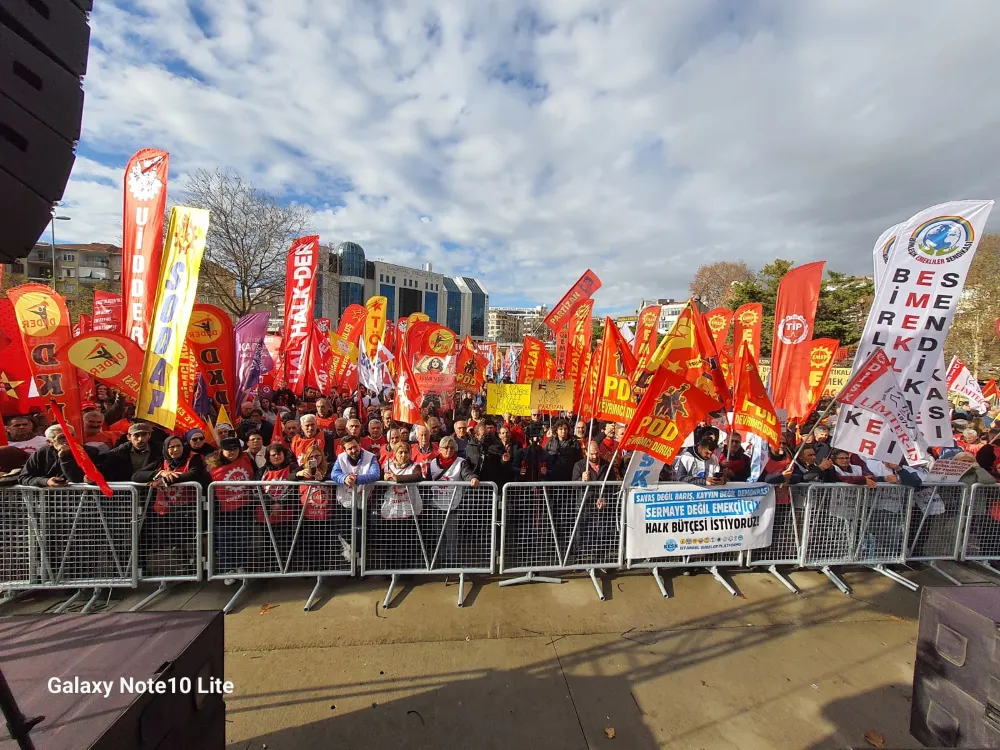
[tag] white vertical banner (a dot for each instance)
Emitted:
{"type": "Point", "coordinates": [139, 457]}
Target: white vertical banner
{"type": "Point", "coordinates": [960, 381]}
{"type": "Point", "coordinates": [882, 251]}
{"type": "Point", "coordinates": [910, 318]}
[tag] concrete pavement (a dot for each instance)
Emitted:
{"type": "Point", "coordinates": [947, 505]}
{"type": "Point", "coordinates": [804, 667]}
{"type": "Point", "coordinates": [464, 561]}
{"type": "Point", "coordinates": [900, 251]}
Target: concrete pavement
{"type": "Point", "coordinates": [551, 666]}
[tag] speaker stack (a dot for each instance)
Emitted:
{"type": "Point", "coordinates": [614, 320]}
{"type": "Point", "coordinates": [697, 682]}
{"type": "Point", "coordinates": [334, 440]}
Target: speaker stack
{"type": "Point", "coordinates": [43, 58]}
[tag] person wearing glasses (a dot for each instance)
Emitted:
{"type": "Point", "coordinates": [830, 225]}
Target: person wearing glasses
{"type": "Point", "coordinates": [197, 443]}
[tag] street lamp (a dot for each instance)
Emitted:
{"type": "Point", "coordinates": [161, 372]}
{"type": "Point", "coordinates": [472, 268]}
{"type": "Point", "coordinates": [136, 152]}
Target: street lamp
{"type": "Point", "coordinates": [52, 226]}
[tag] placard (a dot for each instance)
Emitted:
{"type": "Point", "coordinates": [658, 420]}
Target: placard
{"type": "Point", "coordinates": [503, 398]}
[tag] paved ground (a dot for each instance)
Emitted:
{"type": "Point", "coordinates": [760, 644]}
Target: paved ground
{"type": "Point", "coordinates": [551, 666]}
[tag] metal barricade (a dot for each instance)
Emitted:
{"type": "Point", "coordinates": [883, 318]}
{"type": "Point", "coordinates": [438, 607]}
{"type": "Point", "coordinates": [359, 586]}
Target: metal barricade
{"type": "Point", "coordinates": [170, 533]}
{"type": "Point", "coordinates": [786, 534]}
{"type": "Point", "coordinates": [848, 524]}
{"type": "Point", "coordinates": [428, 528]}
{"type": "Point", "coordinates": [280, 530]}
{"type": "Point", "coordinates": [981, 540]}
{"type": "Point", "coordinates": [20, 567]}
{"type": "Point", "coordinates": [561, 526]}
{"type": "Point", "coordinates": [936, 529]}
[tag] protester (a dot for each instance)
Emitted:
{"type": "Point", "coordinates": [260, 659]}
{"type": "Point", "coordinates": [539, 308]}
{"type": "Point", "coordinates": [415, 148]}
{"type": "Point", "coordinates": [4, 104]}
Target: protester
{"type": "Point", "coordinates": [423, 449]}
{"type": "Point", "coordinates": [136, 460]}
{"type": "Point", "coordinates": [448, 465]}
{"type": "Point", "coordinates": [255, 423]}
{"type": "Point", "coordinates": [53, 465]}
{"type": "Point", "coordinates": [94, 433]}
{"type": "Point", "coordinates": [485, 454]}
{"type": "Point", "coordinates": [593, 468]}
{"type": "Point", "coordinates": [563, 453]}
{"type": "Point", "coordinates": [255, 449]}
{"type": "Point", "coordinates": [21, 434]}
{"type": "Point", "coordinates": [735, 460]}
{"type": "Point", "coordinates": [698, 464]}
{"type": "Point", "coordinates": [461, 436]}
{"type": "Point", "coordinates": [196, 441]}
{"type": "Point", "coordinates": [235, 529]}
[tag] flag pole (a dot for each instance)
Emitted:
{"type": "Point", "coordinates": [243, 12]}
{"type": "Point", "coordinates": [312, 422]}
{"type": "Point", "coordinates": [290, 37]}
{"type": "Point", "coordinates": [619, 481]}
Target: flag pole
{"type": "Point", "coordinates": [819, 419]}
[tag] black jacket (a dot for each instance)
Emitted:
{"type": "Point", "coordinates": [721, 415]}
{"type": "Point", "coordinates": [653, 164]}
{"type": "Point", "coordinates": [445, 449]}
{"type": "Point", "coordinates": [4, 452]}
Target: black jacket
{"type": "Point", "coordinates": [531, 459]}
{"type": "Point", "coordinates": [562, 457]}
{"type": "Point", "coordinates": [486, 460]}
{"type": "Point", "coordinates": [47, 463]}
{"type": "Point", "coordinates": [116, 464]}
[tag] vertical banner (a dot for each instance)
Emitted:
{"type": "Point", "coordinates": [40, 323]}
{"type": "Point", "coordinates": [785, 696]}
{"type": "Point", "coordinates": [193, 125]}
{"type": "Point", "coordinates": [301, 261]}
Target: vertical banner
{"type": "Point", "coordinates": [822, 354]}
{"type": "Point", "coordinates": [718, 321]}
{"type": "Point", "coordinates": [210, 335]}
{"type": "Point", "coordinates": [882, 251]}
{"type": "Point", "coordinates": [248, 336]}
{"type": "Point", "coordinates": [615, 402]}
{"type": "Point", "coordinates": [577, 356]}
{"type": "Point", "coordinates": [531, 361]}
{"type": "Point", "coordinates": [142, 239]}
{"type": "Point", "coordinates": [187, 374]}
{"type": "Point", "coordinates": [430, 349]}
{"type": "Point", "coordinates": [44, 326]}
{"type": "Point", "coordinates": [747, 323]}
{"type": "Point", "coordinates": [185, 246]}
{"type": "Point", "coordinates": [320, 357]}
{"type": "Point", "coordinates": [300, 296]}
{"type": "Point", "coordinates": [15, 375]}
{"type": "Point", "coordinates": [563, 335]}
{"type": "Point", "coordinates": [84, 325]}
{"type": "Point", "coordinates": [911, 315]}
{"type": "Point", "coordinates": [646, 329]}
{"type": "Point", "coordinates": [107, 311]}
{"type": "Point", "coordinates": [374, 324]}
{"type": "Point", "coordinates": [794, 317]}
{"type": "Point", "coordinates": [352, 322]}
{"type": "Point", "coordinates": [579, 293]}
{"type": "Point", "coordinates": [961, 381]}
{"type": "Point", "coordinates": [470, 371]}
{"type": "Point", "coordinates": [343, 362]}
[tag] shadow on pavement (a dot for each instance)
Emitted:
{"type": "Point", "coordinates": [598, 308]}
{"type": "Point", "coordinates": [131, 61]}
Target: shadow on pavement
{"type": "Point", "coordinates": [882, 714]}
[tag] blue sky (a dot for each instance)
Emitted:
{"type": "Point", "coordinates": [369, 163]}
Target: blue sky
{"type": "Point", "coordinates": [522, 142]}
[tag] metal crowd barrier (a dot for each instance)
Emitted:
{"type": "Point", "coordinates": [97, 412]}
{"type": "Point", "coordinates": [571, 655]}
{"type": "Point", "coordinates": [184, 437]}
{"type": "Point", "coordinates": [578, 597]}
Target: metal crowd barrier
{"type": "Point", "coordinates": [280, 530]}
{"type": "Point", "coordinates": [937, 525]}
{"type": "Point", "coordinates": [428, 528]}
{"type": "Point", "coordinates": [69, 537]}
{"type": "Point", "coordinates": [981, 535]}
{"type": "Point", "coordinates": [787, 534]}
{"type": "Point", "coordinates": [561, 526]}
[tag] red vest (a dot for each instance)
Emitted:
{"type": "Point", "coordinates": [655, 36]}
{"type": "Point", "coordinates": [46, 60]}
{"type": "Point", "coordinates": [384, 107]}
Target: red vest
{"type": "Point", "coordinates": [277, 512]}
{"type": "Point", "coordinates": [240, 470]}
{"type": "Point", "coordinates": [173, 495]}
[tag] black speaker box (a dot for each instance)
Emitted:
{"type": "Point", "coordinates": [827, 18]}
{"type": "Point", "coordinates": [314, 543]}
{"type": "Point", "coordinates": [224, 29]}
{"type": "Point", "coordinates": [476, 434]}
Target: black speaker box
{"type": "Point", "coordinates": [39, 653]}
{"type": "Point", "coordinates": [43, 57]}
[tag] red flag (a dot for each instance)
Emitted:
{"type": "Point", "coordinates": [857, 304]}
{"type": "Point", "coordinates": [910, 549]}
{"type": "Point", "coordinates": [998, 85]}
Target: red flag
{"type": "Point", "coordinates": [710, 357]}
{"type": "Point", "coordinates": [321, 359]}
{"type": "Point", "coordinates": [430, 351]}
{"type": "Point", "coordinates": [470, 371]}
{"type": "Point", "coordinates": [563, 336]}
{"type": "Point", "coordinates": [747, 324]}
{"type": "Point", "coordinates": [794, 317]}
{"type": "Point", "coordinates": [548, 368]}
{"type": "Point", "coordinates": [579, 293]}
{"type": "Point", "coordinates": [15, 375]}
{"type": "Point", "coordinates": [142, 239]}
{"type": "Point", "coordinates": [82, 459]}
{"type": "Point", "coordinates": [532, 363]}
{"type": "Point", "coordinates": [211, 338]}
{"type": "Point", "coordinates": [300, 295]}
{"type": "Point", "coordinates": [352, 323]}
{"type": "Point", "coordinates": [406, 405]}
{"type": "Point", "coordinates": [107, 311]}
{"type": "Point", "coordinates": [578, 352]}
{"type": "Point", "coordinates": [667, 414]}
{"type": "Point", "coordinates": [753, 411]}
{"type": "Point", "coordinates": [822, 355]}
{"type": "Point", "coordinates": [990, 390]}
{"type": "Point", "coordinates": [718, 325]}
{"type": "Point", "coordinates": [44, 326]}
{"type": "Point", "coordinates": [617, 367]}
{"type": "Point", "coordinates": [587, 394]}
{"type": "Point", "coordinates": [646, 329]}
{"type": "Point", "coordinates": [84, 325]}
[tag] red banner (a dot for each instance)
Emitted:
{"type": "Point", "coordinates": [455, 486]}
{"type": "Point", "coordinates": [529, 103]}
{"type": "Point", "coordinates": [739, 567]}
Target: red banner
{"type": "Point", "coordinates": [587, 394]}
{"type": "Point", "coordinates": [718, 321]}
{"type": "Point", "coordinates": [579, 293]}
{"type": "Point", "coordinates": [15, 375]}
{"type": "Point", "coordinates": [352, 323]}
{"type": "Point", "coordinates": [794, 316]}
{"type": "Point", "coordinates": [747, 324]}
{"type": "Point", "coordinates": [84, 325]}
{"type": "Point", "coordinates": [321, 358]}
{"type": "Point", "coordinates": [532, 363]}
{"type": "Point", "coordinates": [142, 239]}
{"type": "Point", "coordinates": [753, 411]}
{"type": "Point", "coordinates": [44, 326]}
{"type": "Point", "coordinates": [822, 355]}
{"type": "Point", "coordinates": [430, 351]}
{"type": "Point", "coordinates": [300, 295]}
{"type": "Point", "coordinates": [563, 335]}
{"type": "Point", "coordinates": [710, 357]}
{"type": "Point", "coordinates": [470, 372]}
{"type": "Point", "coordinates": [647, 328]}
{"type": "Point", "coordinates": [406, 404]}
{"type": "Point", "coordinates": [107, 311]}
{"type": "Point", "coordinates": [577, 356]}
{"type": "Point", "coordinates": [210, 335]}
{"type": "Point", "coordinates": [187, 373]}
{"type": "Point", "coordinates": [617, 367]}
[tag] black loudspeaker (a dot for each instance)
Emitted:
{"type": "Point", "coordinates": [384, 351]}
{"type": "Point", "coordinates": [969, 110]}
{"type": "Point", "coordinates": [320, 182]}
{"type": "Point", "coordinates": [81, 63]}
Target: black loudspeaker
{"type": "Point", "coordinates": [43, 58]}
{"type": "Point", "coordinates": [42, 655]}
{"type": "Point", "coordinates": [956, 676]}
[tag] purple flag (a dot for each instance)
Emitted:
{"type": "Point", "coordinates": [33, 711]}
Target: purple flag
{"type": "Point", "coordinates": [252, 358]}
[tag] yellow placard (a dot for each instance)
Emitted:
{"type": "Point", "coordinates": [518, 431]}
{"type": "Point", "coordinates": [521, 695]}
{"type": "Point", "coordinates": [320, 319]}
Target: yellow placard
{"type": "Point", "coordinates": [182, 254]}
{"type": "Point", "coordinates": [502, 398]}
{"type": "Point", "coordinates": [839, 376]}
{"type": "Point", "coordinates": [552, 396]}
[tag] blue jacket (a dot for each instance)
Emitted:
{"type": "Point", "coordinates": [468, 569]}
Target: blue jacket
{"type": "Point", "coordinates": [373, 474]}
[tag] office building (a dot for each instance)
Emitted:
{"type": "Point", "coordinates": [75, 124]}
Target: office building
{"type": "Point", "coordinates": [670, 310]}
{"type": "Point", "coordinates": [503, 327]}
{"type": "Point", "coordinates": [74, 266]}
{"type": "Point", "coordinates": [531, 320]}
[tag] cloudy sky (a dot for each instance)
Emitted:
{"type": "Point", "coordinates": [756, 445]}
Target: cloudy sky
{"type": "Point", "coordinates": [522, 142]}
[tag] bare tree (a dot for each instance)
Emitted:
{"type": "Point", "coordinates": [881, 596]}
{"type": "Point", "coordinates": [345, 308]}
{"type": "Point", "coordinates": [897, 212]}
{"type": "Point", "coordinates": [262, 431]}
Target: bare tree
{"type": "Point", "coordinates": [973, 334]}
{"type": "Point", "coordinates": [714, 281]}
{"type": "Point", "coordinates": [248, 239]}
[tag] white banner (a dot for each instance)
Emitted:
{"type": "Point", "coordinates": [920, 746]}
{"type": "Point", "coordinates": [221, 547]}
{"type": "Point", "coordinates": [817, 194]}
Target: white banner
{"type": "Point", "coordinates": [672, 520]}
{"type": "Point", "coordinates": [874, 389]}
{"type": "Point", "coordinates": [911, 315]}
{"type": "Point", "coordinates": [960, 381]}
{"type": "Point", "coordinates": [883, 251]}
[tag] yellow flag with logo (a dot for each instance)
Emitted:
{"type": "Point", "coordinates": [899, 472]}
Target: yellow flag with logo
{"type": "Point", "coordinates": [374, 324]}
{"type": "Point", "coordinates": [178, 284]}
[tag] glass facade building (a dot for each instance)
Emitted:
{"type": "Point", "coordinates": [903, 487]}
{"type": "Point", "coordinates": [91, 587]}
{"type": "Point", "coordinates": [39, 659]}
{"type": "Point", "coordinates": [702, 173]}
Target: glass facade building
{"type": "Point", "coordinates": [431, 306]}
{"type": "Point", "coordinates": [389, 292]}
{"type": "Point", "coordinates": [478, 329]}
{"type": "Point", "coordinates": [453, 304]}
{"type": "Point", "coordinates": [351, 264]}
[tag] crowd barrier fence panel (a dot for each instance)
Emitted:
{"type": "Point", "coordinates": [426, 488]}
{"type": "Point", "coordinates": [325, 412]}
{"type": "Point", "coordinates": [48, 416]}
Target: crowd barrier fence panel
{"type": "Point", "coordinates": [20, 545]}
{"type": "Point", "coordinates": [280, 530]}
{"type": "Point", "coordinates": [428, 528]}
{"type": "Point", "coordinates": [561, 526]}
{"type": "Point", "coordinates": [937, 524]}
{"type": "Point", "coordinates": [786, 536]}
{"type": "Point", "coordinates": [981, 536]}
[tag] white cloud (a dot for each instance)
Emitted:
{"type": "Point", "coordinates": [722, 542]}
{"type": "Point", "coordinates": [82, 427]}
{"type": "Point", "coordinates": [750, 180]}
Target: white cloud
{"type": "Point", "coordinates": [639, 139]}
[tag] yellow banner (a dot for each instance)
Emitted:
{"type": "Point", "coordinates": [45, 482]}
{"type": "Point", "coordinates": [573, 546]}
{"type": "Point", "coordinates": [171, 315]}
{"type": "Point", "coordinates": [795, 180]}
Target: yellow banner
{"type": "Point", "coordinates": [374, 324]}
{"type": "Point", "coordinates": [502, 398]}
{"type": "Point", "coordinates": [178, 284]}
{"type": "Point", "coordinates": [551, 396]}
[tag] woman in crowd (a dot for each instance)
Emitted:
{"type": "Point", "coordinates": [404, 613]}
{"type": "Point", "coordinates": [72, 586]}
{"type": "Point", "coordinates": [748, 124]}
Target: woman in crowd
{"type": "Point", "coordinates": [234, 519]}
{"type": "Point", "coordinates": [197, 443]}
{"type": "Point", "coordinates": [281, 503]}
{"type": "Point", "coordinates": [562, 453]}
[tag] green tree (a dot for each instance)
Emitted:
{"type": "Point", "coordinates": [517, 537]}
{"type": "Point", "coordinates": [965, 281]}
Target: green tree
{"type": "Point", "coordinates": [973, 334]}
{"type": "Point", "coordinates": [843, 306]}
